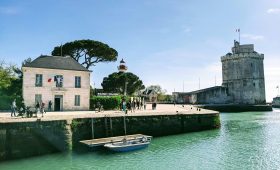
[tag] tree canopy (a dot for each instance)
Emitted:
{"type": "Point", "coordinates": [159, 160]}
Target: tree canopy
{"type": "Point", "coordinates": [115, 83]}
{"type": "Point", "coordinates": [161, 93]}
{"type": "Point", "coordinates": [6, 76]}
{"type": "Point", "coordinates": [157, 89]}
{"type": "Point", "coordinates": [87, 52]}
{"type": "Point", "coordinates": [10, 85]}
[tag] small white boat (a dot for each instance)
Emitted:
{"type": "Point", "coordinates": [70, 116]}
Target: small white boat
{"type": "Point", "coordinates": [131, 145]}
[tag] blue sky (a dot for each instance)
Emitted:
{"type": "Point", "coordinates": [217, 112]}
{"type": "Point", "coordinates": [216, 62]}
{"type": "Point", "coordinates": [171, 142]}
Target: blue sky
{"type": "Point", "coordinates": [166, 42]}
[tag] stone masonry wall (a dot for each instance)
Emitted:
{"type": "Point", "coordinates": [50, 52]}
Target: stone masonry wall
{"type": "Point", "coordinates": [49, 89]}
{"type": "Point", "coordinates": [243, 75]}
{"type": "Point", "coordinates": [25, 139]}
{"type": "Point", "coordinates": [218, 95]}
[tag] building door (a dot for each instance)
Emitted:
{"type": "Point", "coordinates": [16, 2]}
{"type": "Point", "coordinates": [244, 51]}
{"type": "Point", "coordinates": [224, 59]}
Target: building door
{"type": "Point", "coordinates": [58, 103]}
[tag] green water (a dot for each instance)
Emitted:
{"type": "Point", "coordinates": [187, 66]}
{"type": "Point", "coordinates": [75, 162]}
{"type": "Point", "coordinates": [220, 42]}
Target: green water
{"type": "Point", "coordinates": [245, 141]}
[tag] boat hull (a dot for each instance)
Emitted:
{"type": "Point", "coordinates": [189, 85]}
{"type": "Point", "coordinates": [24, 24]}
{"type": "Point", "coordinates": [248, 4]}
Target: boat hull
{"type": "Point", "coordinates": [128, 148]}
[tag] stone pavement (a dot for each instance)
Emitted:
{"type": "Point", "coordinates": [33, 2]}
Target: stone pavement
{"type": "Point", "coordinates": [162, 109]}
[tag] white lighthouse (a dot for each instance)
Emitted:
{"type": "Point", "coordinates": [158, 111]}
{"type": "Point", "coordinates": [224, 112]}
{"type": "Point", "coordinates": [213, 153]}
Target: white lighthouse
{"type": "Point", "coordinates": [122, 67]}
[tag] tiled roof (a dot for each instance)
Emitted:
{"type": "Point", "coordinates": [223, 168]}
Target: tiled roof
{"type": "Point", "coordinates": [56, 62]}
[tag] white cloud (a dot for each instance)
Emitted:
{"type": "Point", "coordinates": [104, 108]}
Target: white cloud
{"type": "Point", "coordinates": [9, 10]}
{"type": "Point", "coordinates": [273, 11]}
{"type": "Point", "coordinates": [252, 37]}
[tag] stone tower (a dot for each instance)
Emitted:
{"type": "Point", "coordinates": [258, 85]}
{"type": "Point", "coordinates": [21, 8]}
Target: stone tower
{"type": "Point", "coordinates": [243, 74]}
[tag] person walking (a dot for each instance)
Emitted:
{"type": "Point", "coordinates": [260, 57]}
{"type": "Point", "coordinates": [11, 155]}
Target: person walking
{"type": "Point", "coordinates": [42, 108]}
{"type": "Point", "coordinates": [154, 105]}
{"type": "Point", "coordinates": [134, 105]}
{"type": "Point", "coordinates": [121, 105]}
{"type": "Point", "coordinates": [145, 104]}
{"type": "Point", "coordinates": [37, 108]}
{"type": "Point", "coordinates": [50, 106]}
{"type": "Point", "coordinates": [98, 105]}
{"type": "Point", "coordinates": [13, 108]}
{"type": "Point", "coordinates": [124, 105]}
{"type": "Point", "coordinates": [138, 104]}
{"type": "Point", "coordinates": [129, 106]}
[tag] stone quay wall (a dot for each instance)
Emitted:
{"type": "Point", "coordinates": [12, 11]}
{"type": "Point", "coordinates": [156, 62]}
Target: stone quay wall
{"type": "Point", "coordinates": [236, 107]}
{"type": "Point", "coordinates": [25, 139]}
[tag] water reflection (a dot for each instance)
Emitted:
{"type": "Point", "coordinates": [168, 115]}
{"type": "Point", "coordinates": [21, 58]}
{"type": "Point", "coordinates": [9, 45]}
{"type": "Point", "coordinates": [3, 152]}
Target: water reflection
{"type": "Point", "coordinates": [245, 141]}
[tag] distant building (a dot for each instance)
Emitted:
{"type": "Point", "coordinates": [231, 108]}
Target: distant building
{"type": "Point", "coordinates": [212, 95]}
{"type": "Point", "coordinates": [276, 102]}
{"type": "Point", "coordinates": [61, 80]}
{"type": "Point", "coordinates": [243, 80]}
{"type": "Point", "coordinates": [150, 95]}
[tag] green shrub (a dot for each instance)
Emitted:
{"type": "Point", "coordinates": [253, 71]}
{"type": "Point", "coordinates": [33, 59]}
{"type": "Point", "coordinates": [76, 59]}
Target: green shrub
{"type": "Point", "coordinates": [108, 103]}
{"type": "Point", "coordinates": [6, 102]}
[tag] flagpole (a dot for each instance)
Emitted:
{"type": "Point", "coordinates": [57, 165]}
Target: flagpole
{"type": "Point", "coordinates": [239, 35]}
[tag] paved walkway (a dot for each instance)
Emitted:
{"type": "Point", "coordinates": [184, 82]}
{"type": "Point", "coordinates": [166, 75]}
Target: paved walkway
{"type": "Point", "coordinates": [162, 109]}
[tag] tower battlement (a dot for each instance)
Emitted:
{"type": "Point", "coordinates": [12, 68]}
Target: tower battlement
{"type": "Point", "coordinates": [231, 56]}
{"type": "Point", "coordinates": [243, 74]}
{"type": "Point", "coordinates": [245, 48]}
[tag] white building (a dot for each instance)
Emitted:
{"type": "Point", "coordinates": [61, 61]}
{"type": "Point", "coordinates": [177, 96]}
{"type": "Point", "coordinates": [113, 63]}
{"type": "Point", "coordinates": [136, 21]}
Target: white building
{"type": "Point", "coordinates": [61, 80]}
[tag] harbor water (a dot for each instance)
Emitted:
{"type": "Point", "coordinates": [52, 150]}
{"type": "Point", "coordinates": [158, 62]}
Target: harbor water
{"type": "Point", "coordinates": [249, 140]}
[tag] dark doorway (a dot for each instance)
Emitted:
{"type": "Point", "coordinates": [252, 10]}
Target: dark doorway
{"type": "Point", "coordinates": [58, 102]}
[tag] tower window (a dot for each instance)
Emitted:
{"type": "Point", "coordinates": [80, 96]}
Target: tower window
{"type": "Point", "coordinates": [254, 84]}
{"type": "Point", "coordinates": [251, 64]}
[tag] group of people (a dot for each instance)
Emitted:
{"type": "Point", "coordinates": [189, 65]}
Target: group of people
{"type": "Point", "coordinates": [133, 104]}
{"type": "Point", "coordinates": [39, 108]}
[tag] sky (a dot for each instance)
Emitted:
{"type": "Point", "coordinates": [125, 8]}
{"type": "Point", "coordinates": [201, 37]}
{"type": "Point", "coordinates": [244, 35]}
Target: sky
{"type": "Point", "coordinates": [172, 43]}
